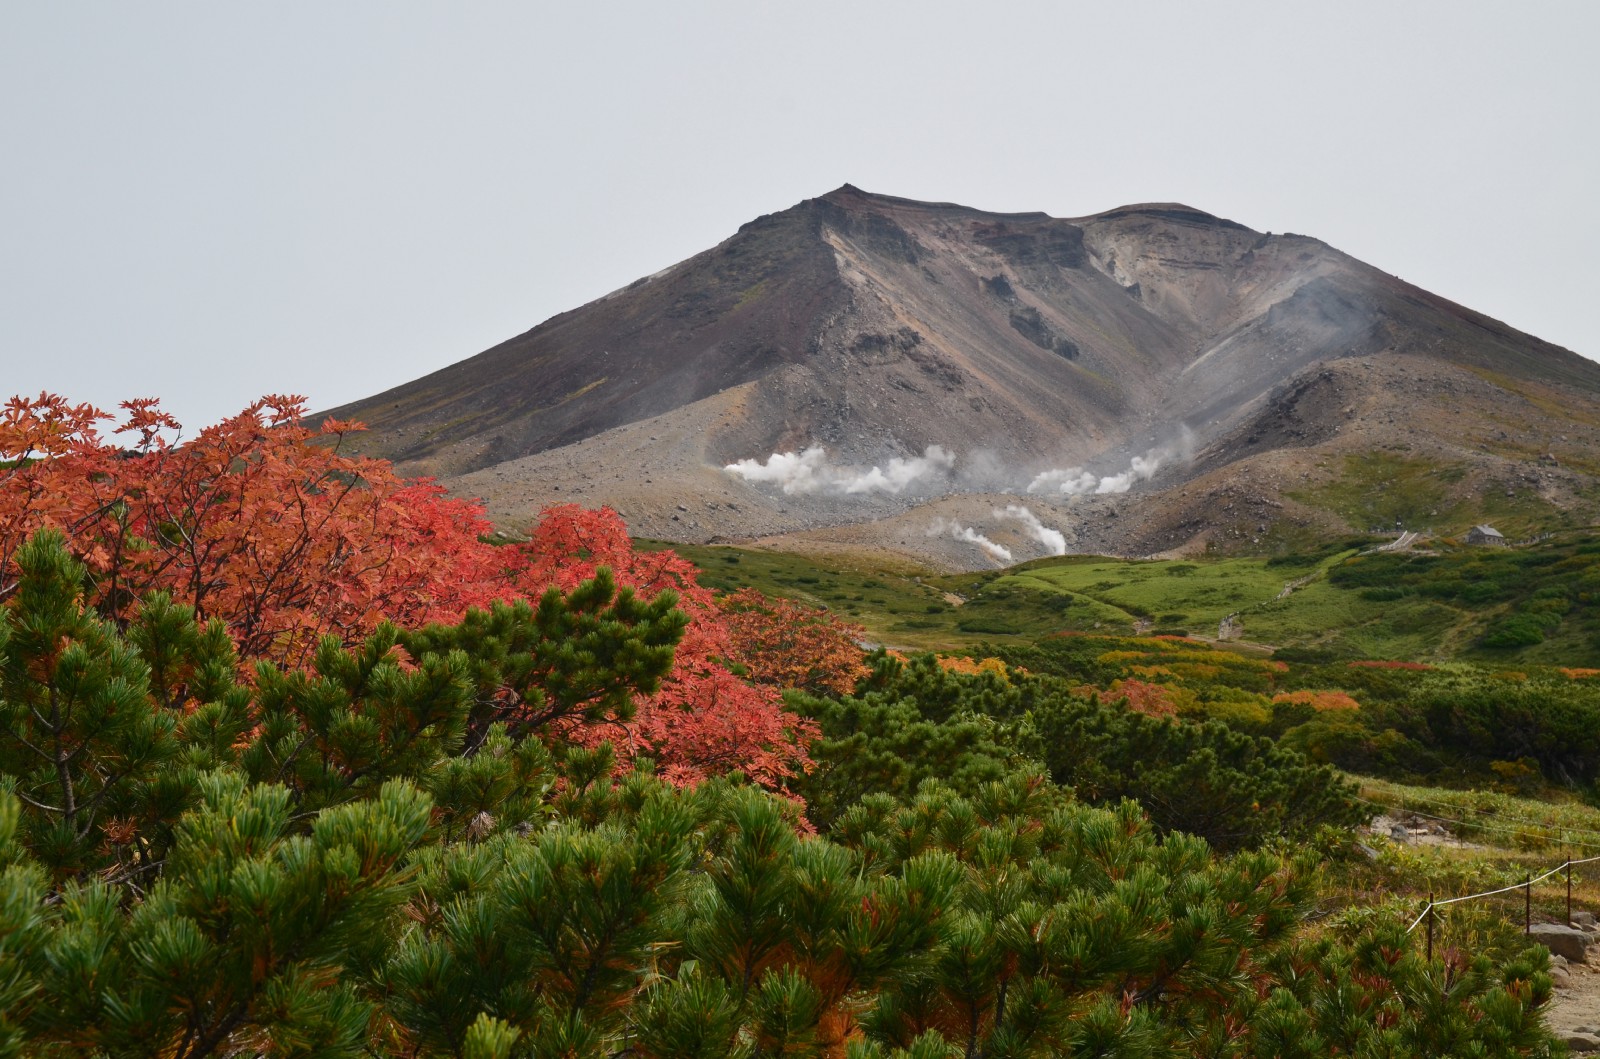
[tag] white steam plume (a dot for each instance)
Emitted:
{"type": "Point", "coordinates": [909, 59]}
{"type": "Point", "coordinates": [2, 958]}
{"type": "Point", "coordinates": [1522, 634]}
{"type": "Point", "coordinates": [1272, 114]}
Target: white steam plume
{"type": "Point", "coordinates": [902, 472]}
{"type": "Point", "coordinates": [1141, 469]}
{"type": "Point", "coordinates": [1075, 481]}
{"type": "Point", "coordinates": [1053, 539]}
{"type": "Point", "coordinates": [999, 553]}
{"type": "Point", "coordinates": [797, 472]}
{"type": "Point", "coordinates": [809, 471]}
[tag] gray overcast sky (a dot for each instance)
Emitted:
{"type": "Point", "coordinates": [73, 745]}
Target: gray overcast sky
{"type": "Point", "coordinates": [210, 201]}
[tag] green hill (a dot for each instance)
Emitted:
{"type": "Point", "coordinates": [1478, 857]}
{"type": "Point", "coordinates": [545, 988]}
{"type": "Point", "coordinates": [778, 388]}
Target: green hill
{"type": "Point", "coordinates": [1523, 605]}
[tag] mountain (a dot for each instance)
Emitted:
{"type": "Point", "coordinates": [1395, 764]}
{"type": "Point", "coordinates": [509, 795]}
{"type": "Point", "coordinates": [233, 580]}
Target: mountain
{"type": "Point", "coordinates": [1164, 379]}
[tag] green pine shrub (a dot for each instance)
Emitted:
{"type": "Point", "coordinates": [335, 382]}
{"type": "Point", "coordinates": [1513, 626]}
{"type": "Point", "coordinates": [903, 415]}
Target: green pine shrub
{"type": "Point", "coordinates": [394, 853]}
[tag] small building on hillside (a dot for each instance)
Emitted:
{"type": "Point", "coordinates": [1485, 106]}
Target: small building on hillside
{"type": "Point", "coordinates": [1486, 535]}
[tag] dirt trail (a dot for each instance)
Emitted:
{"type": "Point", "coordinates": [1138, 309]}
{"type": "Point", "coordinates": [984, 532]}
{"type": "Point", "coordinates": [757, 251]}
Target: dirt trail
{"type": "Point", "coordinates": [1290, 587]}
{"type": "Point", "coordinates": [1574, 1015]}
{"type": "Point", "coordinates": [1400, 544]}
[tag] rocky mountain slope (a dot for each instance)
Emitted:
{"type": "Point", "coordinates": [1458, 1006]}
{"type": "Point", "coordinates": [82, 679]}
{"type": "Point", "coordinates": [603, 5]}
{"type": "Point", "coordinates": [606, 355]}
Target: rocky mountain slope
{"type": "Point", "coordinates": [861, 371]}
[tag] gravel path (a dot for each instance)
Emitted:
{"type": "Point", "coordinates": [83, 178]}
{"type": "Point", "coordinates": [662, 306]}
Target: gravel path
{"type": "Point", "coordinates": [1574, 1015]}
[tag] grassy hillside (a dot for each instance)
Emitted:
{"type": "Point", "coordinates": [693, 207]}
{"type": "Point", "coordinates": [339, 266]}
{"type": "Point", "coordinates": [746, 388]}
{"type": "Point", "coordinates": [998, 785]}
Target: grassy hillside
{"type": "Point", "coordinates": [897, 605]}
{"type": "Point", "coordinates": [1526, 606]}
{"type": "Point", "coordinates": [1376, 489]}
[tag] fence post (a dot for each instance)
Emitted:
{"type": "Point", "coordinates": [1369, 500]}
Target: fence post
{"type": "Point", "coordinates": [1527, 904]}
{"type": "Point", "coordinates": [1569, 891]}
{"type": "Point", "coordinates": [1430, 924]}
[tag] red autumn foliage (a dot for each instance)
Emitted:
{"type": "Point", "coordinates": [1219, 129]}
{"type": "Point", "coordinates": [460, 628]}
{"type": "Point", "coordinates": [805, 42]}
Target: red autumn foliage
{"type": "Point", "coordinates": [704, 721]}
{"type": "Point", "coordinates": [268, 525]}
{"type": "Point", "coordinates": [258, 521]}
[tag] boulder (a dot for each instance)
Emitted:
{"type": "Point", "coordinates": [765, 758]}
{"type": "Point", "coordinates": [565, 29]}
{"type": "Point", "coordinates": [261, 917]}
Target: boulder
{"type": "Point", "coordinates": [1578, 1041]}
{"type": "Point", "coordinates": [1585, 920]}
{"type": "Point", "coordinates": [1562, 940]}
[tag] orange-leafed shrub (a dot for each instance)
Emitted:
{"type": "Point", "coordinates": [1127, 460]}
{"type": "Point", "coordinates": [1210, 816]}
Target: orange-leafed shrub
{"type": "Point", "coordinates": [973, 666]}
{"type": "Point", "coordinates": [1319, 700]}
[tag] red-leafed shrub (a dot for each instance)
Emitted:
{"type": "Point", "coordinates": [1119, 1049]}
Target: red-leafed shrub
{"type": "Point", "coordinates": [273, 528]}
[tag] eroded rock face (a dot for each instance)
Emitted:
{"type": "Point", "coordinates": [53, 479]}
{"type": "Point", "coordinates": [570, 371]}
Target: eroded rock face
{"type": "Point", "coordinates": [1565, 941]}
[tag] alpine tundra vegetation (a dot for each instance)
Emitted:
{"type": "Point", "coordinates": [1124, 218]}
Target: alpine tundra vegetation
{"type": "Point", "coordinates": [300, 759]}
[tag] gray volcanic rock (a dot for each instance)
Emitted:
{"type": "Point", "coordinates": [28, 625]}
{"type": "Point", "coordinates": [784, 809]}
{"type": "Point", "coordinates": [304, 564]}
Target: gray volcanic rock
{"type": "Point", "coordinates": [1562, 940]}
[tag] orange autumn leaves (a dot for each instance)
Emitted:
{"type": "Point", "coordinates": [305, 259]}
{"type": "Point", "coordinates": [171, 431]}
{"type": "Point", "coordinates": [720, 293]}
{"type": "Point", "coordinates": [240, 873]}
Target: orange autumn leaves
{"type": "Point", "coordinates": [1166, 676]}
{"type": "Point", "coordinates": [280, 532]}
{"type": "Point", "coordinates": [973, 666]}
{"type": "Point", "coordinates": [1318, 700]}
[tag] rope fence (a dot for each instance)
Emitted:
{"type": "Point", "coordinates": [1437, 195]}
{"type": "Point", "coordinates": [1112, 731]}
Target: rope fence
{"type": "Point", "coordinates": [1526, 886]}
{"type": "Point", "coordinates": [1428, 914]}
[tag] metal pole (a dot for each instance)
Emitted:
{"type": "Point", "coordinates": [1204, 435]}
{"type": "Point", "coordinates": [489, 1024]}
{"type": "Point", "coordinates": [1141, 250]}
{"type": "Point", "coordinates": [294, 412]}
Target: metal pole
{"type": "Point", "coordinates": [1569, 891]}
{"type": "Point", "coordinates": [1527, 904]}
{"type": "Point", "coordinates": [1430, 924]}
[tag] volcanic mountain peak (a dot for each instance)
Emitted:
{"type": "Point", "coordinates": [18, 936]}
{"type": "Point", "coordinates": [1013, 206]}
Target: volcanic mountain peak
{"type": "Point", "coordinates": [858, 331]}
